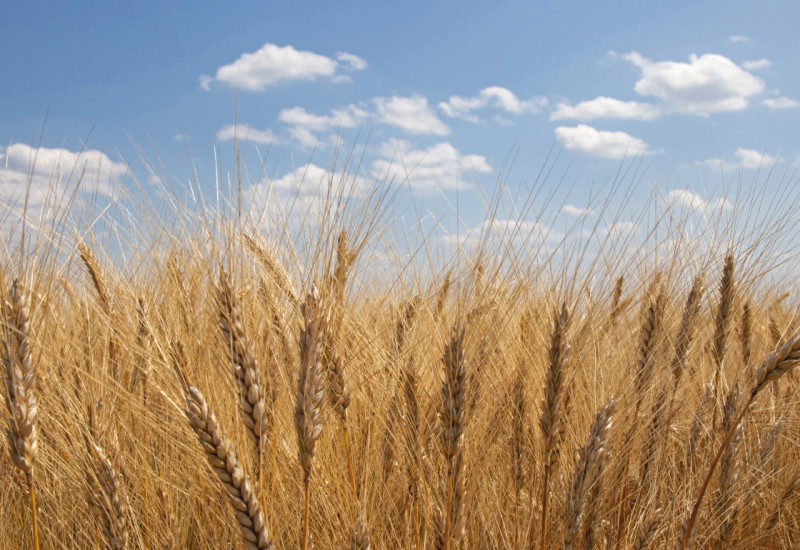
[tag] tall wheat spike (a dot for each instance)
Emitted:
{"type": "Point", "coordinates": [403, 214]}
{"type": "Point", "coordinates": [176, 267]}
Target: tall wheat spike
{"type": "Point", "coordinates": [20, 384]}
{"type": "Point", "coordinates": [452, 417]}
{"type": "Point", "coordinates": [310, 392]}
{"type": "Point", "coordinates": [222, 459]}
{"type": "Point", "coordinates": [590, 465]}
{"type": "Point", "coordinates": [106, 499]}
{"type": "Point", "coordinates": [722, 326]}
{"type": "Point", "coordinates": [245, 367]}
{"type": "Point", "coordinates": [551, 421]}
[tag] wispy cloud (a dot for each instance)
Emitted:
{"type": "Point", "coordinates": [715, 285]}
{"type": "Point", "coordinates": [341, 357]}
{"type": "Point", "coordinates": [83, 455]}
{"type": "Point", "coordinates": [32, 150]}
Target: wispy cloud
{"type": "Point", "coordinates": [495, 97]}
{"type": "Point", "coordinates": [576, 210]}
{"type": "Point", "coordinates": [272, 64]}
{"type": "Point", "coordinates": [746, 159]}
{"type": "Point", "coordinates": [757, 64]}
{"type": "Point", "coordinates": [245, 132]}
{"type": "Point", "coordinates": [738, 38]}
{"type": "Point", "coordinates": [776, 103]}
{"type": "Point", "coordinates": [606, 107]}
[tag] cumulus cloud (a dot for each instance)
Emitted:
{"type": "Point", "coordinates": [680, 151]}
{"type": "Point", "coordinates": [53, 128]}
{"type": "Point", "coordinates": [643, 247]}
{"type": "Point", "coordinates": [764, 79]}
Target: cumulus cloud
{"type": "Point", "coordinates": [576, 210]}
{"type": "Point", "coordinates": [50, 170]}
{"type": "Point", "coordinates": [776, 103]}
{"type": "Point", "coordinates": [585, 140]}
{"type": "Point", "coordinates": [707, 84]}
{"type": "Point", "coordinates": [52, 178]}
{"type": "Point", "coordinates": [412, 114]}
{"type": "Point", "coordinates": [757, 64]}
{"type": "Point", "coordinates": [304, 126]}
{"type": "Point", "coordinates": [606, 107]}
{"type": "Point", "coordinates": [303, 191]}
{"type": "Point", "coordinates": [493, 96]}
{"type": "Point", "coordinates": [687, 199]}
{"type": "Point", "coordinates": [441, 166]}
{"type": "Point", "coordinates": [245, 132]}
{"type": "Point", "coordinates": [272, 64]}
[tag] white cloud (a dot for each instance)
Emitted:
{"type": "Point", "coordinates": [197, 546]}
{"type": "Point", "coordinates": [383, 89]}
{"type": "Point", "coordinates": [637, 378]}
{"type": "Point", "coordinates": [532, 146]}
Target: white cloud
{"type": "Point", "coordinates": [576, 210]}
{"type": "Point", "coordinates": [441, 166]}
{"type": "Point", "coordinates": [688, 199]}
{"type": "Point", "coordinates": [350, 61]}
{"type": "Point", "coordinates": [757, 64]}
{"type": "Point", "coordinates": [245, 132]}
{"type": "Point", "coordinates": [707, 84]}
{"type": "Point", "coordinates": [750, 158]}
{"type": "Point", "coordinates": [619, 230]}
{"type": "Point", "coordinates": [586, 140]}
{"type": "Point", "coordinates": [747, 159]}
{"type": "Point", "coordinates": [738, 38]}
{"type": "Point", "coordinates": [493, 96]}
{"type": "Point", "coordinates": [775, 103]}
{"type": "Point", "coordinates": [412, 114]}
{"type": "Point", "coordinates": [606, 107]}
{"type": "Point", "coordinates": [303, 192]}
{"type": "Point", "coordinates": [52, 175]}
{"type": "Point", "coordinates": [498, 234]}
{"type": "Point", "coordinates": [272, 64]}
{"type": "Point", "coordinates": [303, 124]}
{"type": "Point", "coordinates": [349, 117]}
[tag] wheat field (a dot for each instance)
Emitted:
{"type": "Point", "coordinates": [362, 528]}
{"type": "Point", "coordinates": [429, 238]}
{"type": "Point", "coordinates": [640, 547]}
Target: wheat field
{"type": "Point", "coordinates": [231, 384]}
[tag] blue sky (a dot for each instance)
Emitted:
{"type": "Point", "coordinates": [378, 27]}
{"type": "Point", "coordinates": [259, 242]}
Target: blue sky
{"type": "Point", "coordinates": [462, 91]}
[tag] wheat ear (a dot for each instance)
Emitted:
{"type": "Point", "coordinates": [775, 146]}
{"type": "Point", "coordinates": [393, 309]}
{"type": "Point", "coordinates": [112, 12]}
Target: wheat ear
{"type": "Point", "coordinates": [223, 461]}
{"type": "Point", "coordinates": [552, 419]}
{"type": "Point", "coordinates": [454, 395]}
{"type": "Point", "coordinates": [272, 266]}
{"type": "Point", "coordinates": [722, 324]}
{"type": "Point", "coordinates": [310, 392]}
{"type": "Point", "coordinates": [105, 497]}
{"type": "Point", "coordinates": [591, 462]}
{"type": "Point", "coordinates": [359, 539]}
{"type": "Point", "coordinates": [20, 382]}
{"type": "Point", "coordinates": [245, 367]}
{"type": "Point", "coordinates": [778, 363]}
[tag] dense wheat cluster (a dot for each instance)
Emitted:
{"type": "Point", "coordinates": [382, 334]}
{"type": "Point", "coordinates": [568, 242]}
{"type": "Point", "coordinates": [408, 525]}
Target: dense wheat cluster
{"type": "Point", "coordinates": [232, 389]}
